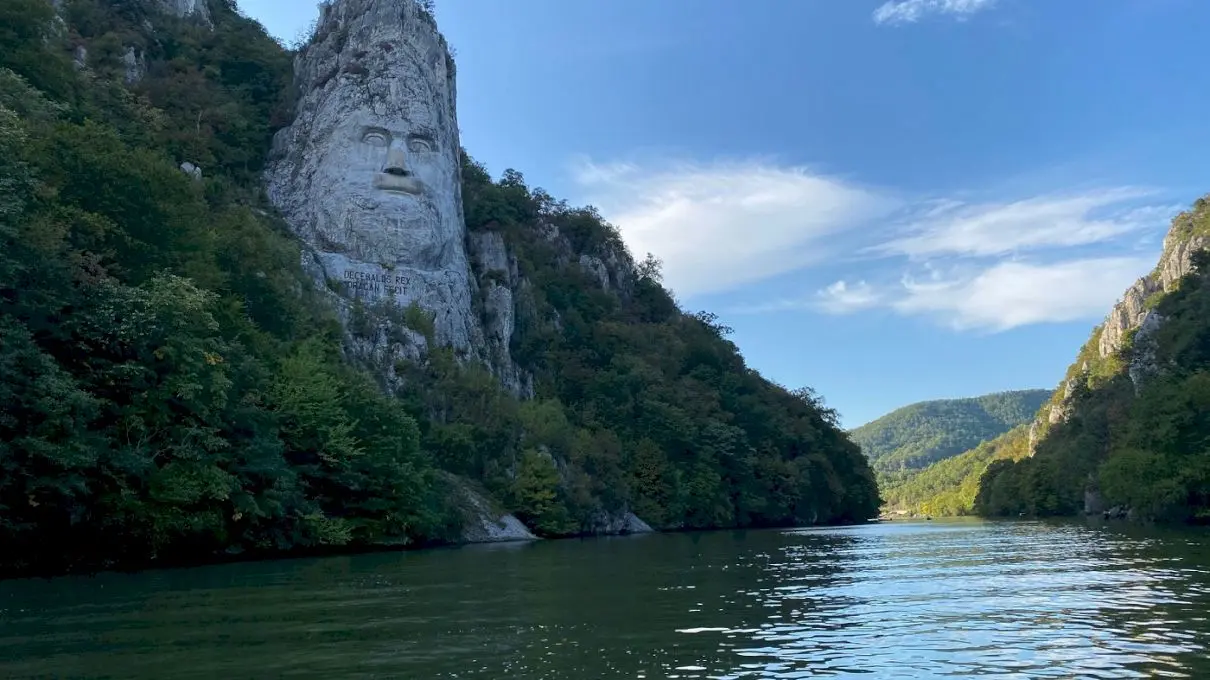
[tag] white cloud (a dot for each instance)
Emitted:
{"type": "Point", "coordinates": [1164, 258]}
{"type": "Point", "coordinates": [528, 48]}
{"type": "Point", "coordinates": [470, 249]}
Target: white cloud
{"type": "Point", "coordinates": [718, 226]}
{"type": "Point", "coordinates": [910, 11]}
{"type": "Point", "coordinates": [1001, 297]}
{"type": "Point", "coordinates": [989, 266]}
{"type": "Point", "coordinates": [843, 298]}
{"type": "Point", "coordinates": [989, 229]}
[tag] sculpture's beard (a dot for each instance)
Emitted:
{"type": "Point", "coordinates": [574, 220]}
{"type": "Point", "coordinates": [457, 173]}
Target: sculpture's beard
{"type": "Point", "coordinates": [390, 227]}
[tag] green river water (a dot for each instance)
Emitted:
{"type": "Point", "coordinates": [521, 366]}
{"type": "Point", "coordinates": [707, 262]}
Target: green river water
{"type": "Point", "coordinates": [892, 600]}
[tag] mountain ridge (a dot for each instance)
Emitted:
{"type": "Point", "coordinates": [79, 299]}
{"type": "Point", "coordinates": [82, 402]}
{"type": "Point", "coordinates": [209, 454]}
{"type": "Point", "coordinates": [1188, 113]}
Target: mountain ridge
{"type": "Point", "coordinates": [917, 435]}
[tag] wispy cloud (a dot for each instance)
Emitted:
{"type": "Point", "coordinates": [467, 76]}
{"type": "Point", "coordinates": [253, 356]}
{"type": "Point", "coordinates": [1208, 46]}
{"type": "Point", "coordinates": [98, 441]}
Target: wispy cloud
{"type": "Point", "coordinates": [986, 266]}
{"type": "Point", "coordinates": [721, 225]}
{"type": "Point", "coordinates": [1001, 297]}
{"type": "Point", "coordinates": [911, 11]}
{"type": "Point", "coordinates": [1012, 294]}
{"type": "Point", "coordinates": [952, 228]}
{"type": "Point", "coordinates": [845, 298]}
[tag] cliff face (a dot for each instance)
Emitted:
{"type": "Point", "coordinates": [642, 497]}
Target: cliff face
{"type": "Point", "coordinates": [367, 175]}
{"type": "Point", "coordinates": [1132, 322]}
{"type": "Point", "coordinates": [1128, 428]}
{"type": "Point", "coordinates": [188, 8]}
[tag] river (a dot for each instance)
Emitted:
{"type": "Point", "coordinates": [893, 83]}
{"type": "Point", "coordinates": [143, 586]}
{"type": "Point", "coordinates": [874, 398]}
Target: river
{"type": "Point", "coordinates": [891, 600]}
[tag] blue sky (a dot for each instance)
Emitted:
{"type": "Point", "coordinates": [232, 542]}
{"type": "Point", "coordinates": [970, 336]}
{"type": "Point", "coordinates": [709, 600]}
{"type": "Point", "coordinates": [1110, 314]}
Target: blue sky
{"type": "Point", "coordinates": [888, 201]}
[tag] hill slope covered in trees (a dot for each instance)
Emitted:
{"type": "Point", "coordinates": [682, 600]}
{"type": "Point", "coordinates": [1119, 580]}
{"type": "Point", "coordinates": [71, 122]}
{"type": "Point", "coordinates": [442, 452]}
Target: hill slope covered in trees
{"type": "Point", "coordinates": [948, 488]}
{"type": "Point", "coordinates": [915, 436]}
{"type": "Point", "coordinates": [176, 391]}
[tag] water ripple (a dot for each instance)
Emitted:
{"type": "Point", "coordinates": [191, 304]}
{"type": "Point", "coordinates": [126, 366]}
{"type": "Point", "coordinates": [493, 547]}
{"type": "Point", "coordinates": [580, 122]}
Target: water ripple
{"type": "Point", "coordinates": [930, 600]}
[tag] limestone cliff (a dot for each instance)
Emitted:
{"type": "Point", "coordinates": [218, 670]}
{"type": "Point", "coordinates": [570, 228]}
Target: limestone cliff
{"type": "Point", "coordinates": [1130, 324]}
{"type": "Point", "coordinates": [188, 8]}
{"type": "Point", "coordinates": [368, 176]}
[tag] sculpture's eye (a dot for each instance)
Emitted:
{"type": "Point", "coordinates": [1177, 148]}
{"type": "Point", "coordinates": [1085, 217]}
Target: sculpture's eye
{"type": "Point", "coordinates": [419, 145]}
{"type": "Point", "coordinates": [376, 138]}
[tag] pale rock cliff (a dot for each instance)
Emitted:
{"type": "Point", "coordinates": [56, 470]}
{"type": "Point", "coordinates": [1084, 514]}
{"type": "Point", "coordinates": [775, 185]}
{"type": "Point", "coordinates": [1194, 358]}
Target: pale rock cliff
{"type": "Point", "coordinates": [498, 278]}
{"type": "Point", "coordinates": [188, 8]}
{"type": "Point", "coordinates": [482, 523]}
{"type": "Point", "coordinates": [1133, 314]}
{"type": "Point", "coordinates": [1129, 312]}
{"type": "Point", "coordinates": [368, 176]}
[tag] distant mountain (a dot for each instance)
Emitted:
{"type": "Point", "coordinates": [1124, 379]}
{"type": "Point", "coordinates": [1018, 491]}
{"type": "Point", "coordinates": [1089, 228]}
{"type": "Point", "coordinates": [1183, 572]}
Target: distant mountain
{"type": "Point", "coordinates": [918, 435]}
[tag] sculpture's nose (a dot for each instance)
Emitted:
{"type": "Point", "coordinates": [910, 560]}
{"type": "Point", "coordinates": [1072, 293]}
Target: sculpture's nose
{"type": "Point", "coordinates": [397, 160]}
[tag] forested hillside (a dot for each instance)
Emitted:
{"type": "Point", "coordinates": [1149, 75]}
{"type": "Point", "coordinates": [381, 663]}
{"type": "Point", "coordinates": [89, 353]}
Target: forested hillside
{"type": "Point", "coordinates": [1131, 428]}
{"type": "Point", "coordinates": [948, 487]}
{"type": "Point", "coordinates": [915, 436]}
{"type": "Point", "coordinates": [175, 390]}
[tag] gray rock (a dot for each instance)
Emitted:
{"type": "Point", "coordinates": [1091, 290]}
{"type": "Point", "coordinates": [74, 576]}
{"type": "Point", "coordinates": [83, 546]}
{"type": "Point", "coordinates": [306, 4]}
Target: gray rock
{"type": "Point", "coordinates": [368, 174]}
{"type": "Point", "coordinates": [80, 57]}
{"type": "Point", "coordinates": [491, 255]}
{"type": "Point", "coordinates": [597, 268]}
{"type": "Point", "coordinates": [192, 170]}
{"type": "Point", "coordinates": [1132, 313]}
{"type": "Point", "coordinates": [1126, 315]}
{"type": "Point", "coordinates": [188, 8]}
{"type": "Point", "coordinates": [485, 525]}
{"type": "Point", "coordinates": [500, 282]}
{"type": "Point", "coordinates": [1143, 364]}
{"type": "Point", "coordinates": [1177, 260]}
{"type": "Point", "coordinates": [133, 63]}
{"type": "Point", "coordinates": [619, 524]}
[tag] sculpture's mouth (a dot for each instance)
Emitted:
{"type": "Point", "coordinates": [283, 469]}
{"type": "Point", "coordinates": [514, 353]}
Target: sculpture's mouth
{"type": "Point", "coordinates": [398, 183]}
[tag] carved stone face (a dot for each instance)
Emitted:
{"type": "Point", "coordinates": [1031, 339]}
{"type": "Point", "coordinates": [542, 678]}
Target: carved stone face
{"type": "Point", "coordinates": [387, 145]}
{"type": "Point", "coordinates": [369, 172]}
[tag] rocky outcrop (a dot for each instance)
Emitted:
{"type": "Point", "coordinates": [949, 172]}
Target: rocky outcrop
{"type": "Point", "coordinates": [594, 266]}
{"type": "Point", "coordinates": [1143, 363]}
{"type": "Point", "coordinates": [1126, 315]}
{"type": "Point", "coordinates": [1133, 317]}
{"type": "Point", "coordinates": [197, 9]}
{"type": "Point", "coordinates": [1129, 312]}
{"type": "Point", "coordinates": [482, 523]}
{"type": "Point", "coordinates": [368, 176]}
{"type": "Point", "coordinates": [498, 278]}
{"type": "Point", "coordinates": [1177, 260]}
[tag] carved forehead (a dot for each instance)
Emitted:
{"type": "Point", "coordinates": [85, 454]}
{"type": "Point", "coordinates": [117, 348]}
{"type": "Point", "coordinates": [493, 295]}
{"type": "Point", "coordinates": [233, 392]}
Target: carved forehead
{"type": "Point", "coordinates": [393, 105]}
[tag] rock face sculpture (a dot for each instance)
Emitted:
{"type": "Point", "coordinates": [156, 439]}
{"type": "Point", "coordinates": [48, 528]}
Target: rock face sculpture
{"type": "Point", "coordinates": [368, 174]}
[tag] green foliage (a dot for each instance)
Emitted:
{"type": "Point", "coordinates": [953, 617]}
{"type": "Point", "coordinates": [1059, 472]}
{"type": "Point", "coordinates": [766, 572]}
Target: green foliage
{"type": "Point", "coordinates": [1147, 449]}
{"type": "Point", "coordinates": [642, 406]}
{"type": "Point", "coordinates": [915, 436]}
{"type": "Point", "coordinates": [949, 487]}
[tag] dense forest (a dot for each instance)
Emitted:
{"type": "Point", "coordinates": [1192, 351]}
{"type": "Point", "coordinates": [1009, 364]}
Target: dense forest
{"type": "Point", "coordinates": [915, 436]}
{"type": "Point", "coordinates": [1130, 439]}
{"type": "Point", "coordinates": [176, 391]}
{"type": "Point", "coordinates": [948, 487]}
